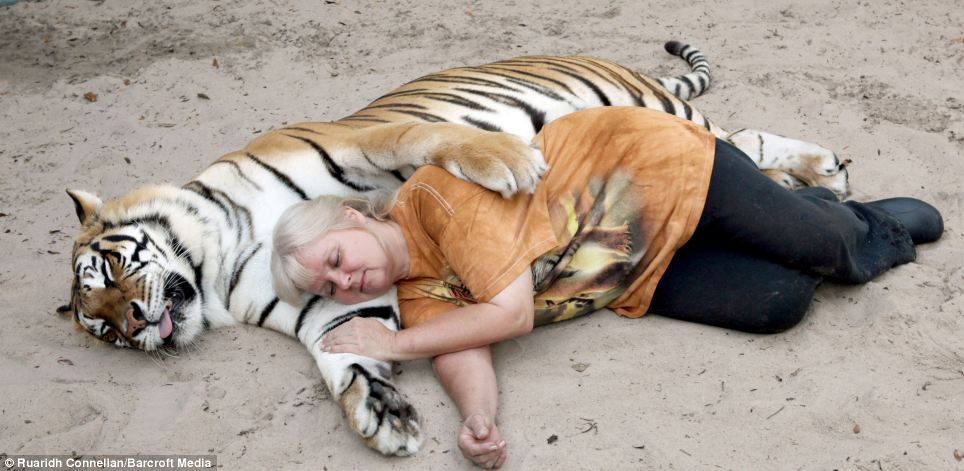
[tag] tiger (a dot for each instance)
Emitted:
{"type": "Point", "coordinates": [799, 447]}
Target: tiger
{"type": "Point", "coordinates": [156, 268]}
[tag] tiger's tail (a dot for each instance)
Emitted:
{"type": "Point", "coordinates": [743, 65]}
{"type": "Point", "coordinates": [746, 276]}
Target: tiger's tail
{"type": "Point", "coordinates": [689, 85]}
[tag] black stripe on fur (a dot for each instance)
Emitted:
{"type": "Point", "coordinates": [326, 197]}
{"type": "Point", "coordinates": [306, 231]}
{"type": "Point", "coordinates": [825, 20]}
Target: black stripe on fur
{"type": "Point", "coordinates": [280, 176]}
{"type": "Point", "coordinates": [540, 89]}
{"type": "Point", "coordinates": [487, 126]}
{"type": "Point", "coordinates": [429, 117]}
{"type": "Point", "coordinates": [237, 169]}
{"type": "Point", "coordinates": [267, 312]}
{"type": "Point", "coordinates": [333, 169]}
{"type": "Point", "coordinates": [236, 275]}
{"type": "Point", "coordinates": [380, 312]}
{"type": "Point", "coordinates": [485, 69]}
{"type": "Point", "coordinates": [304, 313]}
{"type": "Point", "coordinates": [536, 117]}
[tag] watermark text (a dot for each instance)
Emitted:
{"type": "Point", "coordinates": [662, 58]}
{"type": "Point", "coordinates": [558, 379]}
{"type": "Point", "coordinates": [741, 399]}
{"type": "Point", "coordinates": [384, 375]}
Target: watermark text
{"type": "Point", "coordinates": [112, 462]}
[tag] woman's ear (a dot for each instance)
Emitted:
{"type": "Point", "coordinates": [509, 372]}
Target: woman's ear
{"type": "Point", "coordinates": [354, 215]}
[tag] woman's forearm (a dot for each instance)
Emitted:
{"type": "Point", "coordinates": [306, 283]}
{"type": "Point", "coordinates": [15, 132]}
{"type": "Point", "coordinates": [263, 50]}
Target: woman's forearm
{"type": "Point", "coordinates": [472, 326]}
{"type": "Point", "coordinates": [469, 379]}
{"type": "Point", "coordinates": [508, 314]}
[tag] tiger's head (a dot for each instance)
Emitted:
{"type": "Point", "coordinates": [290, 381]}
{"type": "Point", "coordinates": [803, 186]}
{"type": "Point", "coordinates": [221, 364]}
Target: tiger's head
{"type": "Point", "coordinates": [136, 270]}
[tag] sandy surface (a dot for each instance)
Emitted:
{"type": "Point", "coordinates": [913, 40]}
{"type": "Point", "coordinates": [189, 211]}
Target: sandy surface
{"type": "Point", "coordinates": [877, 81]}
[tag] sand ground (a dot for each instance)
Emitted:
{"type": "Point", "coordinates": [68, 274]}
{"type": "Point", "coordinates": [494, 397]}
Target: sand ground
{"type": "Point", "coordinates": [877, 81]}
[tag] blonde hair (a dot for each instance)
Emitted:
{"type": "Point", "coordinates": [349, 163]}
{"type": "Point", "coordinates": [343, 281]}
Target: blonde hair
{"type": "Point", "coordinates": [305, 222]}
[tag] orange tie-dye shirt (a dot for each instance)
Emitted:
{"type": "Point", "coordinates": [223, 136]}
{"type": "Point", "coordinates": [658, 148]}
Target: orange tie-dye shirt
{"type": "Point", "coordinates": [624, 190]}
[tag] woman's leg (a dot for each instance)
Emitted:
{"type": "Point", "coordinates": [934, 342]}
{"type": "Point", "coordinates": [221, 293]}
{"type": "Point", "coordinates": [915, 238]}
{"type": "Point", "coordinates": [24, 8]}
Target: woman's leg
{"type": "Point", "coordinates": [746, 211]}
{"type": "Point", "coordinates": [725, 288]}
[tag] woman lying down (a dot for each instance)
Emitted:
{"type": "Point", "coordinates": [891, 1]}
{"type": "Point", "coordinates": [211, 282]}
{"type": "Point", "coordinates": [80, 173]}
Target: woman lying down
{"type": "Point", "coordinates": [640, 211]}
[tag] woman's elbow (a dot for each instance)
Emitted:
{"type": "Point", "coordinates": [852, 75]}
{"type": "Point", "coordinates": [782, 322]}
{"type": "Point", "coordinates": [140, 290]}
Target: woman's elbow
{"type": "Point", "coordinates": [524, 321]}
{"type": "Point", "coordinates": [527, 327]}
{"type": "Point", "coordinates": [513, 318]}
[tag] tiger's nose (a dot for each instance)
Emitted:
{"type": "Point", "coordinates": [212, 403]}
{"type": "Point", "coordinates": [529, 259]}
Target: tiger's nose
{"type": "Point", "coordinates": [135, 320]}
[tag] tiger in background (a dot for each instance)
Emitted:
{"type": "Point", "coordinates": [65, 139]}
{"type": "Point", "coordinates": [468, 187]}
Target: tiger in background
{"type": "Point", "coordinates": [155, 268]}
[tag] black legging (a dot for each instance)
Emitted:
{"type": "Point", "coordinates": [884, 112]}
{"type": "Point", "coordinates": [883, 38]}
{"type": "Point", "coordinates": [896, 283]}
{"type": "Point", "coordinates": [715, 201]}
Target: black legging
{"type": "Point", "coordinates": [759, 251]}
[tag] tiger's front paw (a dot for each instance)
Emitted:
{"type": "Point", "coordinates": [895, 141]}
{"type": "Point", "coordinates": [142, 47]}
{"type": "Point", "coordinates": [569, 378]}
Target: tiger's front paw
{"type": "Point", "coordinates": [498, 161]}
{"type": "Point", "coordinates": [379, 413]}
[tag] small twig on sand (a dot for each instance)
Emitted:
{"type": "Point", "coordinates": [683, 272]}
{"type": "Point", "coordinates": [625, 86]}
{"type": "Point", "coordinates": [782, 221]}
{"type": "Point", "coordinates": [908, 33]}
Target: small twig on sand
{"type": "Point", "coordinates": [775, 413]}
{"type": "Point", "coordinates": [590, 425]}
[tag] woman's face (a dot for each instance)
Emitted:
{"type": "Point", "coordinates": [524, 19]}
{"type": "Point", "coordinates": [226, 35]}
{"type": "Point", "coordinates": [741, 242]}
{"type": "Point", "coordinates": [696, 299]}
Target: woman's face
{"type": "Point", "coordinates": [350, 266]}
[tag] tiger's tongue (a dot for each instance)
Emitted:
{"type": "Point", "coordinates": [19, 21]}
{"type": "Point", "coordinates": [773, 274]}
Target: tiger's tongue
{"type": "Point", "coordinates": [166, 325]}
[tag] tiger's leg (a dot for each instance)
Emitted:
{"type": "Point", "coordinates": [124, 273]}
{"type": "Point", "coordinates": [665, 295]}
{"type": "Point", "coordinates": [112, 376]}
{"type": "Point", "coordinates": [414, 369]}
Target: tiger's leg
{"type": "Point", "coordinates": [793, 163]}
{"type": "Point", "coordinates": [363, 386]}
{"type": "Point", "coordinates": [498, 161]}
{"type": "Point", "coordinates": [374, 407]}
{"type": "Point", "coordinates": [786, 180]}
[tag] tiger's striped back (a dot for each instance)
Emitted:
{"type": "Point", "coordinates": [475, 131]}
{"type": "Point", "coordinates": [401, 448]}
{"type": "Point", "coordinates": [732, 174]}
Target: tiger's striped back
{"type": "Point", "coordinates": [521, 95]}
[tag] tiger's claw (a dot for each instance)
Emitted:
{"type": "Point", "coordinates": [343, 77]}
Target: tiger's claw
{"type": "Point", "coordinates": [380, 414]}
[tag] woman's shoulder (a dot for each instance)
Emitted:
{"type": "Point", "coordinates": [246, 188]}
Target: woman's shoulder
{"type": "Point", "coordinates": [429, 174]}
{"type": "Point", "coordinates": [436, 186]}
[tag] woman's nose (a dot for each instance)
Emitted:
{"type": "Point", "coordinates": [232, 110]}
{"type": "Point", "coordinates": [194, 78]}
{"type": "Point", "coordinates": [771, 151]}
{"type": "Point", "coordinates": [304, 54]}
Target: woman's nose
{"type": "Point", "coordinates": [344, 280]}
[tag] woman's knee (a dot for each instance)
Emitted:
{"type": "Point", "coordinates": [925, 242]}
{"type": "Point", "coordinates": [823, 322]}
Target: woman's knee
{"type": "Point", "coordinates": [776, 322]}
{"type": "Point", "coordinates": [784, 309]}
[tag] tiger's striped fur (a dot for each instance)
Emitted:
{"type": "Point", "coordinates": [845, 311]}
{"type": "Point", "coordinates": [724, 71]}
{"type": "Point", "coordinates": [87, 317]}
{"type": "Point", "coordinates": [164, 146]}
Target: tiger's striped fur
{"type": "Point", "coordinates": [198, 256]}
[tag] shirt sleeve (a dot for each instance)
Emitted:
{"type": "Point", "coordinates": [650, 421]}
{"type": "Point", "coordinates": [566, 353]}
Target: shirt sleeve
{"type": "Point", "coordinates": [490, 240]}
{"type": "Point", "coordinates": [416, 311]}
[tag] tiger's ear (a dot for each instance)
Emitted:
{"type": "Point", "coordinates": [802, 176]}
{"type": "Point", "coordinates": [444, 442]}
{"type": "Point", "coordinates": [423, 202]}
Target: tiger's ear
{"type": "Point", "coordinates": [65, 310]}
{"type": "Point", "coordinates": [86, 205]}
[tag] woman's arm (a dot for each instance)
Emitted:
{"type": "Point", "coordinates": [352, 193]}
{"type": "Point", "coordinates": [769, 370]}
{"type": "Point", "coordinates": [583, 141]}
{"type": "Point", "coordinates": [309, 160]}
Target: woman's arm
{"type": "Point", "coordinates": [469, 379]}
{"type": "Point", "coordinates": [509, 314]}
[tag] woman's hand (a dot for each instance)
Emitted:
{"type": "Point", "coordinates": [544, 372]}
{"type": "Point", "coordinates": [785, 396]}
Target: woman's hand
{"type": "Point", "coordinates": [481, 442]}
{"type": "Point", "coordinates": [362, 336]}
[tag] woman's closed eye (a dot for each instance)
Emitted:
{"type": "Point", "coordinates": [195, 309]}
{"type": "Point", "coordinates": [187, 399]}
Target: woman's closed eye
{"type": "Point", "coordinates": [335, 261]}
